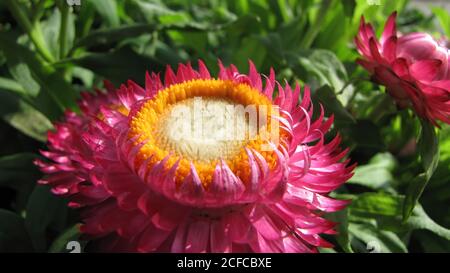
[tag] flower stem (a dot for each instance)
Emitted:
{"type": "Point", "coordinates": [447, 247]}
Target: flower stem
{"type": "Point", "coordinates": [350, 82]}
{"type": "Point", "coordinates": [39, 11]}
{"type": "Point", "coordinates": [312, 32]}
{"type": "Point", "coordinates": [380, 108]}
{"type": "Point", "coordinates": [33, 30]}
{"type": "Point", "coordinates": [63, 30]}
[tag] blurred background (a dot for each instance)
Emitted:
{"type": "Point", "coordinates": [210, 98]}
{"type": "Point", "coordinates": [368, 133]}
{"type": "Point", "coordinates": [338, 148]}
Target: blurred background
{"type": "Point", "coordinates": [52, 50]}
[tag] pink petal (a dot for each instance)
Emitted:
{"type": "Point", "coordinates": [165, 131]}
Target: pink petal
{"type": "Point", "coordinates": [220, 243]}
{"type": "Point", "coordinates": [152, 238]}
{"type": "Point", "coordinates": [425, 70]}
{"type": "Point", "coordinates": [197, 237]}
{"type": "Point", "coordinates": [389, 28]}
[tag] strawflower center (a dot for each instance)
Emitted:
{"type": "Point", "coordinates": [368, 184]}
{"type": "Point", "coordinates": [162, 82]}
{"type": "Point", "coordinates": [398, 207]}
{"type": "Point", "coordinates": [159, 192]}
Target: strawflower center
{"type": "Point", "coordinates": [205, 129]}
{"type": "Point", "coordinates": [204, 122]}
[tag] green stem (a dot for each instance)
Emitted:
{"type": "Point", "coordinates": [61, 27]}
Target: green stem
{"type": "Point", "coordinates": [63, 30]}
{"type": "Point", "coordinates": [350, 82]}
{"type": "Point", "coordinates": [39, 11]}
{"type": "Point", "coordinates": [33, 30]}
{"type": "Point", "coordinates": [380, 109]}
{"type": "Point", "coordinates": [312, 32]}
{"type": "Point", "coordinates": [87, 20]}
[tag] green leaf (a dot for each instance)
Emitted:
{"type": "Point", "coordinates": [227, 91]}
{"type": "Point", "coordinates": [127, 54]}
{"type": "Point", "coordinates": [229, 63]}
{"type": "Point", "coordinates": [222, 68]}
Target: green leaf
{"type": "Point", "coordinates": [66, 34]}
{"type": "Point", "coordinates": [336, 30]}
{"type": "Point", "coordinates": [281, 10]}
{"type": "Point", "coordinates": [153, 9]}
{"type": "Point", "coordinates": [23, 75]}
{"type": "Point", "coordinates": [112, 65]}
{"type": "Point", "coordinates": [274, 46]}
{"type": "Point", "coordinates": [432, 243]}
{"type": "Point", "coordinates": [291, 33]}
{"type": "Point", "coordinates": [421, 220]}
{"type": "Point", "coordinates": [85, 19]}
{"type": "Point", "coordinates": [22, 116]}
{"type": "Point", "coordinates": [178, 18]}
{"type": "Point", "coordinates": [381, 241]}
{"type": "Point", "coordinates": [377, 174]}
{"type": "Point", "coordinates": [12, 86]}
{"type": "Point", "coordinates": [194, 40]}
{"type": "Point", "coordinates": [16, 169]}
{"type": "Point", "coordinates": [238, 27]}
{"type": "Point", "coordinates": [43, 209]}
{"type": "Point", "coordinates": [18, 172]}
{"type": "Point", "coordinates": [161, 14]}
{"type": "Point", "coordinates": [251, 49]}
{"type": "Point", "coordinates": [440, 176]}
{"type": "Point", "coordinates": [332, 105]}
{"type": "Point", "coordinates": [365, 134]}
{"type": "Point", "coordinates": [51, 29]}
{"type": "Point", "coordinates": [413, 193]}
{"type": "Point", "coordinates": [161, 53]}
{"type": "Point", "coordinates": [343, 237]}
{"type": "Point", "coordinates": [349, 7]}
{"type": "Point", "coordinates": [112, 35]}
{"type": "Point", "coordinates": [364, 213]}
{"type": "Point", "coordinates": [33, 30]}
{"type": "Point", "coordinates": [376, 204]}
{"type": "Point", "coordinates": [314, 29]}
{"type": "Point", "coordinates": [55, 94]}
{"type": "Point", "coordinates": [428, 148]}
{"type": "Point", "coordinates": [108, 11]}
{"type": "Point", "coordinates": [322, 67]}
{"type": "Point", "coordinates": [386, 211]}
{"type": "Point", "coordinates": [85, 75]}
{"type": "Point", "coordinates": [13, 235]}
{"type": "Point", "coordinates": [444, 19]}
{"type": "Point", "coordinates": [59, 29]}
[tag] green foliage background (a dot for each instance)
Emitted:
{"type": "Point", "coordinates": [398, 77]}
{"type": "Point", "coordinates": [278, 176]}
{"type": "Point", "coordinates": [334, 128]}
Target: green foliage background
{"type": "Point", "coordinates": [49, 52]}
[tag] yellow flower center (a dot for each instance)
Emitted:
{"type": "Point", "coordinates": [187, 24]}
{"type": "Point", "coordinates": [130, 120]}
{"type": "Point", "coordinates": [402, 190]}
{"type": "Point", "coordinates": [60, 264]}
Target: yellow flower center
{"type": "Point", "coordinates": [204, 121]}
{"type": "Point", "coordinates": [204, 129]}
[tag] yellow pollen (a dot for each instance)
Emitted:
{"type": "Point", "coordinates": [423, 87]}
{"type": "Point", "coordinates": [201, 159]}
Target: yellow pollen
{"type": "Point", "coordinates": [202, 121]}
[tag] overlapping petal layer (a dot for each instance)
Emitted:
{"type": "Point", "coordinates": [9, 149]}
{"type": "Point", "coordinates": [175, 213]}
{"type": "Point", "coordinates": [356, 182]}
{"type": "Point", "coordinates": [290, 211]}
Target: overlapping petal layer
{"type": "Point", "coordinates": [135, 200]}
{"type": "Point", "coordinates": [414, 67]}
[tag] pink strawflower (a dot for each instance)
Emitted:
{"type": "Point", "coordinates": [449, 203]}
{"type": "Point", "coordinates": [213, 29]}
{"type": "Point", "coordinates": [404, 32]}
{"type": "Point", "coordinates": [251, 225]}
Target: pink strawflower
{"type": "Point", "coordinates": [139, 190]}
{"type": "Point", "coordinates": [414, 68]}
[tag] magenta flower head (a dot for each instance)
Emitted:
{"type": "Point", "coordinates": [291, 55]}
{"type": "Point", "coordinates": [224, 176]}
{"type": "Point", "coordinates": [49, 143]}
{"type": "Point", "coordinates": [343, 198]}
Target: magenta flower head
{"type": "Point", "coordinates": [414, 68]}
{"type": "Point", "coordinates": [162, 168]}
